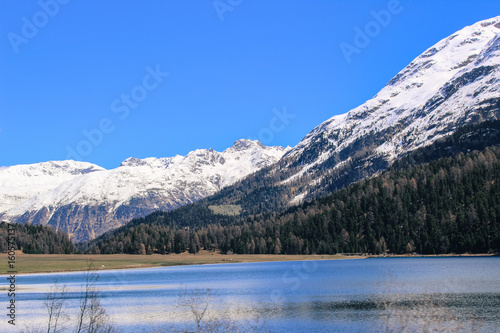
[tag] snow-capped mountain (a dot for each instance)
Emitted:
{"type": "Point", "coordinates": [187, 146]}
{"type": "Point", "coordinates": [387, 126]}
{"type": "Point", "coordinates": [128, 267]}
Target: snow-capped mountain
{"type": "Point", "coordinates": [455, 82]}
{"type": "Point", "coordinates": [86, 200]}
{"type": "Point", "coordinates": [21, 182]}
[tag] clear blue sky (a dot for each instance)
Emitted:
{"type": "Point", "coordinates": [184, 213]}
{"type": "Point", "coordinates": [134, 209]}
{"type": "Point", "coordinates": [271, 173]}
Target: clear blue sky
{"type": "Point", "coordinates": [85, 66]}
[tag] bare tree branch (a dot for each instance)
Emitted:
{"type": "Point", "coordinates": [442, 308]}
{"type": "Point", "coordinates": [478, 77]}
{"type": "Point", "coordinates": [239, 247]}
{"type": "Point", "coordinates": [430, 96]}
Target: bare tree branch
{"type": "Point", "coordinates": [54, 304]}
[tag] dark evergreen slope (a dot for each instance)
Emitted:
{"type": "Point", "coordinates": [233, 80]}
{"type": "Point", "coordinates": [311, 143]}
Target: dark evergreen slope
{"type": "Point", "coordinates": [448, 205]}
{"type": "Point", "coordinates": [37, 239]}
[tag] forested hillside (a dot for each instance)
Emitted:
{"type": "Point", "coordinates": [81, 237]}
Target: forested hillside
{"type": "Point", "coordinates": [37, 239]}
{"type": "Point", "coordinates": [451, 204]}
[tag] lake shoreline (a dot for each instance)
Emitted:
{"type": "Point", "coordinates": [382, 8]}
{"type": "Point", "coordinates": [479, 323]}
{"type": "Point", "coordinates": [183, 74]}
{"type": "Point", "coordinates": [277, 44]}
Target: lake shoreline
{"type": "Point", "coordinates": [61, 263]}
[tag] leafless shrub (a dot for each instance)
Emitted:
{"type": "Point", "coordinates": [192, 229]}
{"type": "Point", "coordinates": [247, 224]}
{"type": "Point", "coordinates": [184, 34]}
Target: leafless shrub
{"type": "Point", "coordinates": [92, 317]}
{"type": "Point", "coordinates": [54, 304]}
{"type": "Point", "coordinates": [198, 312]}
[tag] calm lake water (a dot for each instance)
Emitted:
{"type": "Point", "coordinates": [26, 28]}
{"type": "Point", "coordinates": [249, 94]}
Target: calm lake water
{"type": "Point", "coordinates": [312, 296]}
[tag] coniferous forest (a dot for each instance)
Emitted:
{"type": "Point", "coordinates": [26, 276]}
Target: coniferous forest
{"type": "Point", "coordinates": [37, 239]}
{"type": "Point", "coordinates": [443, 198]}
{"type": "Point", "coordinates": [451, 205]}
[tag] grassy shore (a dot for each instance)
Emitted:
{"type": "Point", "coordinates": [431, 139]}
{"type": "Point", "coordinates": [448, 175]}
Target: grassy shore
{"type": "Point", "coordinates": [44, 263]}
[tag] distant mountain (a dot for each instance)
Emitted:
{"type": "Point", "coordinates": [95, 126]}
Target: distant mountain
{"type": "Point", "coordinates": [86, 200]}
{"type": "Point", "coordinates": [22, 182]}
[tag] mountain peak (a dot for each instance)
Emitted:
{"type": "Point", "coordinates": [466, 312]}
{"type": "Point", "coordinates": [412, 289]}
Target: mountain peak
{"type": "Point", "coordinates": [243, 144]}
{"type": "Point", "coordinates": [132, 161]}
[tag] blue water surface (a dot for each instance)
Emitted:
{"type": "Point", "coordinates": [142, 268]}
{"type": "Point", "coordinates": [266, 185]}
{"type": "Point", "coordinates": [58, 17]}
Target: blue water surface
{"type": "Point", "coordinates": [359, 295]}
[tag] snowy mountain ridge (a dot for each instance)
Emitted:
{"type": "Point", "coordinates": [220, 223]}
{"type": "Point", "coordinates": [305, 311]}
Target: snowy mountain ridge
{"type": "Point", "coordinates": [452, 83]}
{"type": "Point", "coordinates": [60, 192]}
{"type": "Point", "coordinates": [21, 182]}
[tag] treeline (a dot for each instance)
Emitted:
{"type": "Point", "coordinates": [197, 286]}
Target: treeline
{"type": "Point", "coordinates": [449, 205]}
{"type": "Point", "coordinates": [37, 239]}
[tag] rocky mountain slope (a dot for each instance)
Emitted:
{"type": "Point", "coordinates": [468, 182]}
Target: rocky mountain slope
{"type": "Point", "coordinates": [86, 200]}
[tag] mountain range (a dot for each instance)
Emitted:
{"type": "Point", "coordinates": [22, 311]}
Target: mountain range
{"type": "Point", "coordinates": [86, 200]}
{"type": "Point", "coordinates": [452, 84]}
